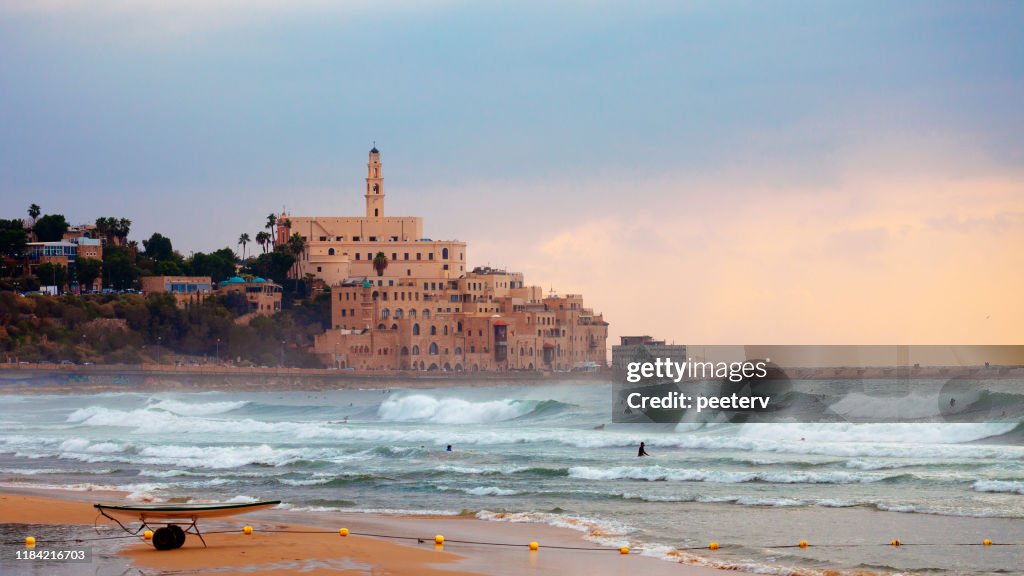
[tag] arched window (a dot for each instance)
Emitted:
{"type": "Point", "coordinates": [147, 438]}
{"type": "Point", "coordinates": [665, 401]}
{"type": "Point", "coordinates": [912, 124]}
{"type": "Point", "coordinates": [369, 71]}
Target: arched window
{"type": "Point", "coordinates": [445, 329]}
{"type": "Point", "coordinates": [382, 327]}
{"type": "Point", "coordinates": [412, 313]}
{"type": "Point", "coordinates": [416, 329]}
{"type": "Point", "coordinates": [405, 350]}
{"type": "Point", "coordinates": [433, 330]}
{"type": "Point", "coordinates": [458, 351]}
{"type": "Point", "coordinates": [433, 348]}
{"type": "Point", "coordinates": [330, 251]}
{"type": "Point", "coordinates": [376, 212]}
{"type": "Point", "coordinates": [394, 326]}
{"type": "Point", "coordinates": [376, 189]}
{"type": "Point", "coordinates": [426, 313]}
{"type": "Point", "coordinates": [398, 314]}
{"type": "Point", "coordinates": [385, 314]}
{"type": "Point", "coordinates": [458, 327]}
{"type": "Point", "coordinates": [444, 253]}
{"type": "Point", "coordinates": [375, 295]}
{"type": "Point", "coordinates": [415, 350]}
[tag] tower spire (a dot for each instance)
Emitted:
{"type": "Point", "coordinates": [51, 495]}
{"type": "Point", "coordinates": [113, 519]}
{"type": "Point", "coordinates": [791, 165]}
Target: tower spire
{"type": "Point", "coordinates": [374, 185]}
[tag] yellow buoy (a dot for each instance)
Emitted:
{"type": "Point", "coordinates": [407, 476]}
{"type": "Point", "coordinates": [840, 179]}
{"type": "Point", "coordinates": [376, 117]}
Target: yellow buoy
{"type": "Point", "coordinates": [624, 550]}
{"type": "Point", "coordinates": [896, 542]}
{"type": "Point", "coordinates": [804, 544]}
{"type": "Point", "coordinates": [343, 532]}
{"type": "Point", "coordinates": [30, 541]}
{"type": "Point", "coordinates": [438, 539]}
{"type": "Point", "coordinates": [247, 530]}
{"type": "Point", "coordinates": [713, 546]}
{"type": "Point", "coordinates": [986, 542]}
{"type": "Point", "coordinates": [534, 546]}
{"type": "Point", "coordinates": [148, 534]}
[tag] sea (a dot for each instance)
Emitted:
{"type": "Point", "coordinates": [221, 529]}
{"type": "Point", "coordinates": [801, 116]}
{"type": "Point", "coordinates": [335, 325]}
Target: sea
{"type": "Point", "coordinates": [550, 454]}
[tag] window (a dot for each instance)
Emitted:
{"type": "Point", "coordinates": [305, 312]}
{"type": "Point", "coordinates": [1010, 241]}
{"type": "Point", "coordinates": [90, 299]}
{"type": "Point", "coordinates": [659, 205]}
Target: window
{"type": "Point", "coordinates": [330, 252]}
{"type": "Point", "coordinates": [415, 327]}
{"type": "Point", "coordinates": [419, 256]}
{"type": "Point", "coordinates": [433, 330]}
{"type": "Point", "coordinates": [406, 256]}
{"type": "Point", "coordinates": [444, 253]}
{"type": "Point", "coordinates": [318, 269]}
{"type": "Point", "coordinates": [433, 349]}
{"type": "Point", "coordinates": [373, 238]}
{"type": "Point", "coordinates": [430, 256]}
{"type": "Point", "coordinates": [369, 255]}
{"type": "Point", "coordinates": [445, 266]}
{"type": "Point", "coordinates": [376, 212]}
{"type": "Point", "coordinates": [357, 255]}
{"type": "Point", "coordinates": [355, 238]}
{"type": "Point", "coordinates": [323, 238]}
{"type": "Point", "coordinates": [394, 256]}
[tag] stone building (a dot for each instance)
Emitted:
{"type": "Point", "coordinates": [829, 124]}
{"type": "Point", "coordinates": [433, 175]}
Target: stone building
{"type": "Point", "coordinates": [426, 309]}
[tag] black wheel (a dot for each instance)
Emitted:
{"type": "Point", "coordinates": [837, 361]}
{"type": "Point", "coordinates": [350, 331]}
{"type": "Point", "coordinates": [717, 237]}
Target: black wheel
{"type": "Point", "coordinates": [163, 539]}
{"type": "Point", "coordinates": [179, 535]}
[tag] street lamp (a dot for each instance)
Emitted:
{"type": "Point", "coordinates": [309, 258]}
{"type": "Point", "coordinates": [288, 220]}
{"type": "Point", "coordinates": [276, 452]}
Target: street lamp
{"type": "Point", "coordinates": [159, 350]}
{"type": "Point", "coordinates": [282, 354]}
{"type": "Point", "coordinates": [218, 351]}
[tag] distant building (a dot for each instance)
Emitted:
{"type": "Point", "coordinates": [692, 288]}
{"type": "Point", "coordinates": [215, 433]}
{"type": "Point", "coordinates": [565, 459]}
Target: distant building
{"type": "Point", "coordinates": [185, 289]}
{"type": "Point", "coordinates": [644, 348]}
{"type": "Point", "coordinates": [426, 310]}
{"type": "Point", "coordinates": [264, 297]}
{"type": "Point", "coordinates": [76, 232]}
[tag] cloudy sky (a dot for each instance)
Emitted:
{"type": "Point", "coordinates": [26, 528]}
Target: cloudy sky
{"type": "Point", "coordinates": [707, 172]}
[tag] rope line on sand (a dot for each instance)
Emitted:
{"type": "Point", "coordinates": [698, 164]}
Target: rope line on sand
{"type": "Point", "coordinates": [896, 543]}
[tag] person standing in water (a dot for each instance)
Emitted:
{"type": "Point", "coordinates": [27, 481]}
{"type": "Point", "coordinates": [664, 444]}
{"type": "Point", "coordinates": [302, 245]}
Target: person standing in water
{"type": "Point", "coordinates": [449, 448]}
{"type": "Point", "coordinates": [641, 451]}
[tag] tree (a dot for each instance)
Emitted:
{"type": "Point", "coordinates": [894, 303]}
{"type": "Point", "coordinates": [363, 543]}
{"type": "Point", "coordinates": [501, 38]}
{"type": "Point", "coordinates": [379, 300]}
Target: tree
{"type": "Point", "coordinates": [50, 228]}
{"type": "Point", "coordinates": [12, 238]}
{"type": "Point", "coordinates": [263, 239]}
{"type": "Point", "coordinates": [121, 229]}
{"type": "Point", "coordinates": [273, 265]}
{"type": "Point", "coordinates": [87, 270]}
{"type": "Point", "coordinates": [272, 225]}
{"type": "Point", "coordinates": [118, 269]}
{"type": "Point", "coordinates": [219, 265]}
{"type": "Point", "coordinates": [158, 247]}
{"type": "Point", "coordinates": [243, 240]}
{"type": "Point", "coordinates": [113, 230]}
{"type": "Point", "coordinates": [33, 212]}
{"type": "Point", "coordinates": [51, 274]}
{"type": "Point", "coordinates": [380, 263]}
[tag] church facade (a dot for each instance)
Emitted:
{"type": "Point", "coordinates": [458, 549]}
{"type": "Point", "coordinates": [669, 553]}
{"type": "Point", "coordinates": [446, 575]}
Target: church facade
{"type": "Point", "coordinates": [401, 301]}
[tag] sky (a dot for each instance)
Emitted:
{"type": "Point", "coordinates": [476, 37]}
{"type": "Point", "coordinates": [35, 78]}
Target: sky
{"type": "Point", "coordinates": [704, 172]}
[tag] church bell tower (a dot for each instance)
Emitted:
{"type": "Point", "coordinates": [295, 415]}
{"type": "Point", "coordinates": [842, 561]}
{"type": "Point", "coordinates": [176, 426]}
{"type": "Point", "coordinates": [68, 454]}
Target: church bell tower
{"type": "Point", "coordinates": [374, 186]}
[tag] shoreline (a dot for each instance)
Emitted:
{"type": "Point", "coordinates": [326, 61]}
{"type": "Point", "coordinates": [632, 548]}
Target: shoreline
{"type": "Point", "coordinates": [328, 553]}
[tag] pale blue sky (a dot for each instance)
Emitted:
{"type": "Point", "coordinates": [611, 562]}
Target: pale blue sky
{"type": "Point", "coordinates": [196, 119]}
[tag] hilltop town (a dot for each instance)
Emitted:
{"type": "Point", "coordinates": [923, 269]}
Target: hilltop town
{"type": "Point", "coordinates": [371, 293]}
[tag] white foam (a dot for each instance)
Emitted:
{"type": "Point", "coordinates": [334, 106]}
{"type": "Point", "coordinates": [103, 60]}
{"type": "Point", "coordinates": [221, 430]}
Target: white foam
{"type": "Point", "coordinates": [420, 407]}
{"type": "Point", "coordinates": [198, 409]}
{"type": "Point", "coordinates": [1004, 486]}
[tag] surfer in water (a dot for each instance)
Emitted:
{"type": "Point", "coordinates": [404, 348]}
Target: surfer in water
{"type": "Point", "coordinates": [641, 451]}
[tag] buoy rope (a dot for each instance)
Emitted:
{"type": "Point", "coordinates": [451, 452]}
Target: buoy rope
{"type": "Point", "coordinates": [485, 543]}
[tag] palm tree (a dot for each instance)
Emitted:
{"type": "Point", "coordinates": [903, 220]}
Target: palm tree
{"type": "Point", "coordinates": [243, 240]}
{"type": "Point", "coordinates": [297, 246]}
{"type": "Point", "coordinates": [380, 263]}
{"type": "Point", "coordinates": [263, 239]}
{"type": "Point", "coordinates": [122, 228]}
{"type": "Point", "coordinates": [272, 225]}
{"type": "Point", "coordinates": [34, 211]}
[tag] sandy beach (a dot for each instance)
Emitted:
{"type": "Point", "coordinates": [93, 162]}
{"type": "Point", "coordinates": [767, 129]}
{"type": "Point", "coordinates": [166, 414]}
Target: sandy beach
{"type": "Point", "coordinates": [288, 551]}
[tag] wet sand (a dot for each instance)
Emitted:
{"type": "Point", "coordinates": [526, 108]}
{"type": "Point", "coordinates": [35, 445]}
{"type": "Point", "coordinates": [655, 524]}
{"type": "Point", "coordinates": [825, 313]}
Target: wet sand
{"type": "Point", "coordinates": [266, 552]}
